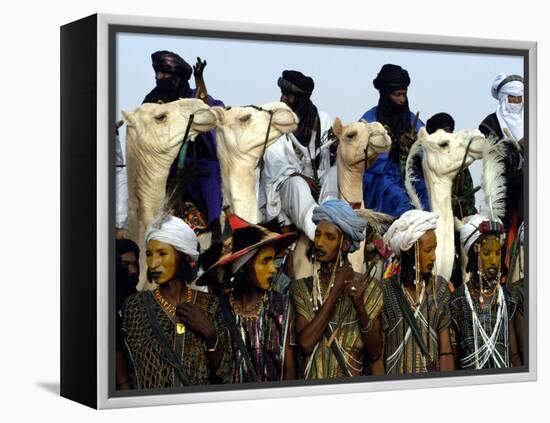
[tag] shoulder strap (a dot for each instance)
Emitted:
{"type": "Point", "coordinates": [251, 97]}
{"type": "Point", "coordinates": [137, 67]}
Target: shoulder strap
{"type": "Point", "coordinates": [169, 354]}
{"type": "Point", "coordinates": [328, 335]}
{"type": "Point", "coordinates": [408, 314]}
{"type": "Point", "coordinates": [251, 374]}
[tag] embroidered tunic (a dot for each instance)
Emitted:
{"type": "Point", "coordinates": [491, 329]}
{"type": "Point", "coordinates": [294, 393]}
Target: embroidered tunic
{"type": "Point", "coordinates": [463, 327]}
{"type": "Point", "coordinates": [150, 369]}
{"type": "Point", "coordinates": [322, 363]}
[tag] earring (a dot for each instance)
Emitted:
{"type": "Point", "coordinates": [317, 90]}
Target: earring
{"type": "Point", "coordinates": [480, 278]}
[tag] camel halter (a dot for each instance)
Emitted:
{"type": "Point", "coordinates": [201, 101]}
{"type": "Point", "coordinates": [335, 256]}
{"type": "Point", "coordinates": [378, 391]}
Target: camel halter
{"type": "Point", "coordinates": [184, 144]}
{"type": "Point", "coordinates": [271, 113]}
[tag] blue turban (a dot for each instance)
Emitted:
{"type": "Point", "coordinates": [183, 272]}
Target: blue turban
{"type": "Point", "coordinates": [341, 214]}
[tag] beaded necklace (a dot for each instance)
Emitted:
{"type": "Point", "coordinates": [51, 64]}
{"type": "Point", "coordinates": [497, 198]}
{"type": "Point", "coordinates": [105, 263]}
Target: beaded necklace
{"type": "Point", "coordinates": [170, 308]}
{"type": "Point", "coordinates": [248, 314]}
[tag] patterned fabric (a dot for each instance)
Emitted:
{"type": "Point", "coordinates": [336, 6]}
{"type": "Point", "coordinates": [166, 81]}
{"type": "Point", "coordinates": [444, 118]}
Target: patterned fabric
{"type": "Point", "coordinates": [264, 337]}
{"type": "Point", "coordinates": [191, 215]}
{"type": "Point", "coordinates": [407, 355]}
{"type": "Point", "coordinates": [463, 328]}
{"type": "Point", "coordinates": [322, 362]}
{"type": "Point", "coordinates": [146, 357]}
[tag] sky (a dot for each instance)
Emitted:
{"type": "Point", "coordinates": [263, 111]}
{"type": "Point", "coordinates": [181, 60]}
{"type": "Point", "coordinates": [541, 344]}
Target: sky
{"type": "Point", "coordinates": [241, 72]}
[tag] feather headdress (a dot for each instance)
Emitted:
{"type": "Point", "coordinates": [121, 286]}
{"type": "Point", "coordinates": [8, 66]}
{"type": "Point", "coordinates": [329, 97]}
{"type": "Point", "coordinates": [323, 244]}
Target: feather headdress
{"type": "Point", "coordinates": [410, 176]}
{"type": "Point", "coordinates": [493, 179]}
{"type": "Point", "coordinates": [379, 222]}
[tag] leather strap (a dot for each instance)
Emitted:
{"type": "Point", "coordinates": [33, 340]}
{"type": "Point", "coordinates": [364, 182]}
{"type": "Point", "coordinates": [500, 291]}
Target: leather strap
{"type": "Point", "coordinates": [409, 316]}
{"type": "Point", "coordinates": [251, 374]}
{"type": "Point", "coordinates": [169, 354]}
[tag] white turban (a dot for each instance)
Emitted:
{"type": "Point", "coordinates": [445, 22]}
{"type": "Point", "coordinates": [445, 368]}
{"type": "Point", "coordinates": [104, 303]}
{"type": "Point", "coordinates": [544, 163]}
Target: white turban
{"type": "Point", "coordinates": [175, 232]}
{"type": "Point", "coordinates": [408, 229]}
{"type": "Point", "coordinates": [509, 115]}
{"type": "Point", "coordinates": [470, 233]}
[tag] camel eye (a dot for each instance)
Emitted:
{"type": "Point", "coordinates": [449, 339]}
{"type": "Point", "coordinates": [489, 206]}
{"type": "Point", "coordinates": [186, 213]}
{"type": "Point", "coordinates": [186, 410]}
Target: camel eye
{"type": "Point", "coordinates": [245, 118]}
{"type": "Point", "coordinates": [444, 144]}
{"type": "Point", "coordinates": [160, 118]}
{"type": "Point", "coordinates": [351, 134]}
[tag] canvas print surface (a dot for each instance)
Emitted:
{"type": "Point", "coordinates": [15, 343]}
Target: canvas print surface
{"type": "Point", "coordinates": [295, 211]}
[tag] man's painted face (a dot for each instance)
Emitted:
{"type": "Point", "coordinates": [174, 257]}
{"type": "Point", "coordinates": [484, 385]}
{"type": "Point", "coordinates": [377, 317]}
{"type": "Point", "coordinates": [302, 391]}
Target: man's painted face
{"type": "Point", "coordinates": [398, 97]}
{"type": "Point", "coordinates": [426, 252]}
{"type": "Point", "coordinates": [489, 254]}
{"type": "Point", "coordinates": [327, 241]}
{"type": "Point", "coordinates": [262, 268]}
{"type": "Point", "coordinates": [163, 261]}
{"type": "Point", "coordinates": [130, 261]}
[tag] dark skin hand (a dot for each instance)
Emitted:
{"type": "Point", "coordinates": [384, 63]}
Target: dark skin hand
{"type": "Point", "coordinates": [515, 352]}
{"type": "Point", "coordinates": [372, 341]}
{"type": "Point", "coordinates": [446, 357]}
{"type": "Point", "coordinates": [407, 139]}
{"type": "Point", "coordinates": [122, 372]}
{"type": "Point", "coordinates": [310, 333]}
{"type": "Point", "coordinates": [194, 319]}
{"type": "Point", "coordinates": [198, 70]}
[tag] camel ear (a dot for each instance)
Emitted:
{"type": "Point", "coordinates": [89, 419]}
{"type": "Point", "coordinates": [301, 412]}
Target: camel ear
{"type": "Point", "coordinates": [337, 127]}
{"type": "Point", "coordinates": [422, 134]}
{"type": "Point", "coordinates": [219, 112]}
{"type": "Point", "coordinates": [128, 118]}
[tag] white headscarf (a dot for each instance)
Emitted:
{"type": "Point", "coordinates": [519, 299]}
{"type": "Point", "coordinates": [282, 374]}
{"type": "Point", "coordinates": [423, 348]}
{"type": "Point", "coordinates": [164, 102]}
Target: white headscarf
{"type": "Point", "coordinates": [509, 115]}
{"type": "Point", "coordinates": [408, 229]}
{"type": "Point", "coordinates": [469, 232]}
{"type": "Point", "coordinates": [175, 232]}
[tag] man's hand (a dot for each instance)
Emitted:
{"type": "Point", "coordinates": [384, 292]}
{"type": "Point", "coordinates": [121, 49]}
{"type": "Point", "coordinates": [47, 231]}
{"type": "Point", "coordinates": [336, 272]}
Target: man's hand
{"type": "Point", "coordinates": [407, 139]}
{"type": "Point", "coordinates": [355, 290]}
{"type": "Point", "coordinates": [198, 68]}
{"type": "Point", "coordinates": [344, 276]}
{"type": "Point", "coordinates": [193, 318]}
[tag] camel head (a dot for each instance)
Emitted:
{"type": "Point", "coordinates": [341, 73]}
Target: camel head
{"type": "Point", "coordinates": [445, 152]}
{"type": "Point", "coordinates": [354, 139]}
{"type": "Point", "coordinates": [244, 129]}
{"type": "Point", "coordinates": [159, 129]}
{"type": "Point", "coordinates": [241, 141]}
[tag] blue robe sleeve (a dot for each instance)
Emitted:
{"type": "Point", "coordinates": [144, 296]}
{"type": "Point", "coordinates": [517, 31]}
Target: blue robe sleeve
{"type": "Point", "coordinates": [383, 188]}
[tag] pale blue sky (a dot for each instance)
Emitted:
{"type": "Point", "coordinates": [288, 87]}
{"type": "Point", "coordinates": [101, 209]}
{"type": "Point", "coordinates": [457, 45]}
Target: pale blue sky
{"type": "Point", "coordinates": [246, 72]}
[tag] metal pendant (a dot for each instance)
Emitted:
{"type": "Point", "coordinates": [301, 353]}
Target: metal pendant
{"type": "Point", "coordinates": [180, 328]}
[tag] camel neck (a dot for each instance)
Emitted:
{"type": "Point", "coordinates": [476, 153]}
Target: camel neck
{"type": "Point", "coordinates": [350, 181]}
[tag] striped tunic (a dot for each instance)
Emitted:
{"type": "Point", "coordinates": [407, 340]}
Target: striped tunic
{"type": "Point", "coordinates": [264, 337]}
{"type": "Point", "coordinates": [403, 356]}
{"type": "Point", "coordinates": [322, 363]}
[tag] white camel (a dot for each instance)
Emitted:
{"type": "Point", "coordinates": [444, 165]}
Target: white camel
{"type": "Point", "coordinates": [345, 180]}
{"type": "Point", "coordinates": [154, 137]}
{"type": "Point", "coordinates": [443, 155]}
{"type": "Point", "coordinates": [243, 134]}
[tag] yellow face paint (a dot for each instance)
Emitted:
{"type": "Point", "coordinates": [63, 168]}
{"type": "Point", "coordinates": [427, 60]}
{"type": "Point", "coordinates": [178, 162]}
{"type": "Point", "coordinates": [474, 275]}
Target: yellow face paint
{"type": "Point", "coordinates": [163, 261]}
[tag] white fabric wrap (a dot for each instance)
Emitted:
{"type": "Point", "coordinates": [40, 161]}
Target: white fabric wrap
{"type": "Point", "coordinates": [509, 115]}
{"type": "Point", "coordinates": [408, 229]}
{"type": "Point", "coordinates": [281, 161]}
{"type": "Point", "coordinates": [177, 233]}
